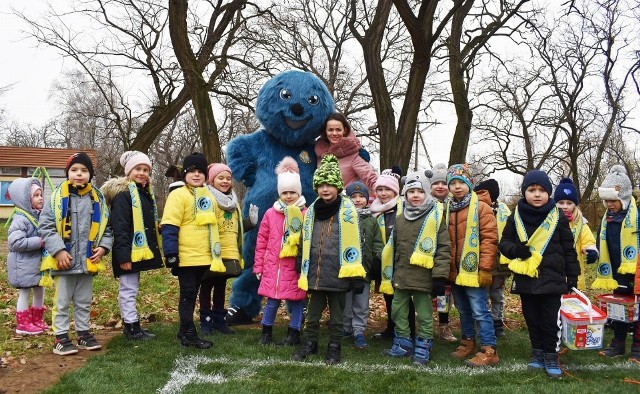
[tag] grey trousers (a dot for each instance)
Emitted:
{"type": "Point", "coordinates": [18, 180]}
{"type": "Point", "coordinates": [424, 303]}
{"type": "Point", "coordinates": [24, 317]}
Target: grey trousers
{"type": "Point", "coordinates": [127, 294]}
{"type": "Point", "coordinates": [496, 297]}
{"type": "Point", "coordinates": [76, 288]}
{"type": "Point", "coordinates": [356, 311]}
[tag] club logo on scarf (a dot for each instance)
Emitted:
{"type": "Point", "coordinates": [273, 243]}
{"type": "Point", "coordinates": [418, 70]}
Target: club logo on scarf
{"type": "Point", "coordinates": [138, 238]}
{"type": "Point", "coordinates": [470, 262]}
{"type": "Point", "coordinates": [296, 224]}
{"type": "Point", "coordinates": [604, 269]}
{"type": "Point", "coordinates": [387, 273]}
{"type": "Point", "coordinates": [204, 203]}
{"type": "Point", "coordinates": [629, 252]}
{"type": "Point", "coordinates": [426, 245]}
{"type": "Point", "coordinates": [216, 249]}
{"type": "Point", "coordinates": [351, 254]}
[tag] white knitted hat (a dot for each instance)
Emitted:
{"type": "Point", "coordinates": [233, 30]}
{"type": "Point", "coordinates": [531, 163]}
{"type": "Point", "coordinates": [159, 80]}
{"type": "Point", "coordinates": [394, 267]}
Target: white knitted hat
{"type": "Point", "coordinates": [288, 176]}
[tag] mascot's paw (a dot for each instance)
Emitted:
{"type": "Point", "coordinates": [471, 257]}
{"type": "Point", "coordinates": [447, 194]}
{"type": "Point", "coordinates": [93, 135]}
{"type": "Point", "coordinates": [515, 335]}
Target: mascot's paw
{"type": "Point", "coordinates": [237, 316]}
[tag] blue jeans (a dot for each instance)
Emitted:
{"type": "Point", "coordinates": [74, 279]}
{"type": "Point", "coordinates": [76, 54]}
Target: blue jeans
{"type": "Point", "coordinates": [270, 309]}
{"type": "Point", "coordinates": [471, 303]}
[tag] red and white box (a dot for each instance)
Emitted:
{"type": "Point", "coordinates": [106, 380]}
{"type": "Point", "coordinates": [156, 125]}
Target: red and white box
{"type": "Point", "coordinates": [619, 307]}
{"type": "Point", "coordinates": [582, 323]}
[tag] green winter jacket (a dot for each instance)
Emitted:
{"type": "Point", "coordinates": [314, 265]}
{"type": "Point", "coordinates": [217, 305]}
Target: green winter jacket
{"type": "Point", "coordinates": [371, 242]}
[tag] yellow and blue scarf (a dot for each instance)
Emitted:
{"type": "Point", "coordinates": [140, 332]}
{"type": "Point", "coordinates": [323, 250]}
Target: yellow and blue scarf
{"type": "Point", "coordinates": [628, 247]}
{"type": "Point", "coordinates": [424, 249]}
{"type": "Point", "coordinates": [349, 238]}
{"type": "Point", "coordinates": [205, 215]}
{"type": "Point", "coordinates": [139, 246]}
{"type": "Point", "coordinates": [292, 231]}
{"type": "Point", "coordinates": [501, 217]}
{"type": "Point", "coordinates": [537, 243]}
{"type": "Point", "coordinates": [470, 257]}
{"type": "Point", "coordinates": [380, 219]}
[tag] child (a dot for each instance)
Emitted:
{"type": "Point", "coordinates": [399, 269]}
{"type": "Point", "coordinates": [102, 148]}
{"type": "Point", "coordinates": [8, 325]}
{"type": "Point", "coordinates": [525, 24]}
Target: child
{"type": "Point", "coordinates": [501, 270]}
{"type": "Point", "coordinates": [356, 310]}
{"type": "Point", "coordinates": [474, 246]}
{"type": "Point", "coordinates": [618, 244]}
{"type": "Point", "coordinates": [136, 235]}
{"type": "Point", "coordinates": [331, 260]}
{"type": "Point", "coordinates": [538, 240]}
{"type": "Point", "coordinates": [385, 208]}
{"type": "Point", "coordinates": [231, 228]}
{"type": "Point", "coordinates": [25, 255]}
{"type": "Point", "coordinates": [76, 235]}
{"type": "Point", "coordinates": [566, 197]}
{"type": "Point", "coordinates": [276, 250]}
{"type": "Point", "coordinates": [440, 192]}
{"type": "Point", "coordinates": [417, 261]}
{"type": "Point", "coordinates": [191, 242]}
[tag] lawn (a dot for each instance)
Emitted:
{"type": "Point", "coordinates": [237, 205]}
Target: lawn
{"type": "Point", "coordinates": [238, 364]}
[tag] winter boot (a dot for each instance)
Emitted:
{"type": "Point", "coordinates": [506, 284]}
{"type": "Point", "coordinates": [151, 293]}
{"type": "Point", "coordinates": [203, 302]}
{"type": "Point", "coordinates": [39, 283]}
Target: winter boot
{"type": "Point", "coordinates": [292, 338]}
{"type": "Point", "coordinates": [466, 348]}
{"type": "Point", "coordinates": [333, 353]}
{"type": "Point", "coordinates": [552, 366]}
{"type": "Point", "coordinates": [236, 316]}
{"type": "Point", "coordinates": [134, 332]}
{"type": "Point", "coordinates": [422, 351]}
{"type": "Point", "coordinates": [206, 321]}
{"type": "Point", "coordinates": [487, 356]}
{"type": "Point", "coordinates": [220, 324]}
{"type": "Point", "coordinates": [360, 342]}
{"type": "Point", "coordinates": [24, 325]}
{"type": "Point", "coordinates": [309, 347]}
{"type": "Point", "coordinates": [498, 325]}
{"type": "Point", "coordinates": [634, 356]}
{"type": "Point", "coordinates": [402, 347]}
{"type": "Point", "coordinates": [189, 338]}
{"type": "Point", "coordinates": [37, 317]}
{"type": "Point", "coordinates": [615, 349]}
{"type": "Point", "coordinates": [537, 359]}
{"type": "Point", "coordinates": [444, 332]}
{"type": "Point", "coordinates": [267, 335]}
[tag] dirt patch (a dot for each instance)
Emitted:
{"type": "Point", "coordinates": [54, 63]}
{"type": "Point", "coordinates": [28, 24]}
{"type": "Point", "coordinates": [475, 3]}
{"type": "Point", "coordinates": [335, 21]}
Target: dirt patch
{"type": "Point", "coordinates": [37, 373]}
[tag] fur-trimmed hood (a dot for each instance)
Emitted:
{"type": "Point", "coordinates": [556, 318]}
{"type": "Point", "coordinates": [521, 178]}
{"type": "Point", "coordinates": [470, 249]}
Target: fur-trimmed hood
{"type": "Point", "coordinates": [113, 186]}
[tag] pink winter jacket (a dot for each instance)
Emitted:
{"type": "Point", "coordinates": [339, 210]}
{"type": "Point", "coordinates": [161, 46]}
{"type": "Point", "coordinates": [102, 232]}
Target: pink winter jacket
{"type": "Point", "coordinates": [352, 166]}
{"type": "Point", "coordinates": [279, 277]}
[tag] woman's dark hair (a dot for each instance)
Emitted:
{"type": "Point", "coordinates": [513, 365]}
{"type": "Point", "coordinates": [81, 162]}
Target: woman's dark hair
{"type": "Point", "coordinates": [339, 117]}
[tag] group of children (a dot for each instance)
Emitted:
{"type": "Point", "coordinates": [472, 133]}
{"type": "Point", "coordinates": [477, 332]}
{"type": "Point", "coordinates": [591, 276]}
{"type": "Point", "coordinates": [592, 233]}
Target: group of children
{"type": "Point", "coordinates": [414, 245]}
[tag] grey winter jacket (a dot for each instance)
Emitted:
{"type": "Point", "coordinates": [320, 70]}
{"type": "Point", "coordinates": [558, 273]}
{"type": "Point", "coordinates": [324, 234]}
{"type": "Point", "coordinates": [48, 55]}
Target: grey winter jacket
{"type": "Point", "coordinates": [25, 245]}
{"type": "Point", "coordinates": [81, 213]}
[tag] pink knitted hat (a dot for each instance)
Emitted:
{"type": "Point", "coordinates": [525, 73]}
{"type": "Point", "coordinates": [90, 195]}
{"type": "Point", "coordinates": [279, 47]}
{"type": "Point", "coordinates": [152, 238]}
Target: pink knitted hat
{"type": "Point", "coordinates": [388, 179]}
{"type": "Point", "coordinates": [214, 169]}
{"type": "Point", "coordinates": [132, 158]}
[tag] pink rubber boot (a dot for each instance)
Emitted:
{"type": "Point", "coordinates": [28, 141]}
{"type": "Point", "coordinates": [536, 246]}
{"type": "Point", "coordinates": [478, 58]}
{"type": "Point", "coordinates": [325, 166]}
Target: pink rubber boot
{"type": "Point", "coordinates": [37, 317]}
{"type": "Point", "coordinates": [24, 326]}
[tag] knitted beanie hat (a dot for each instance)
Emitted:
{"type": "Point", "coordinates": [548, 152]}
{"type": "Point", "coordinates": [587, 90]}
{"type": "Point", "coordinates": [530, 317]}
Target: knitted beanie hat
{"type": "Point", "coordinates": [357, 187]}
{"type": "Point", "coordinates": [461, 172]}
{"type": "Point", "coordinates": [617, 186]}
{"type": "Point", "coordinates": [328, 173]}
{"type": "Point", "coordinates": [35, 186]}
{"type": "Point", "coordinates": [390, 179]}
{"type": "Point", "coordinates": [490, 185]}
{"type": "Point", "coordinates": [194, 161]}
{"type": "Point", "coordinates": [439, 173]}
{"type": "Point", "coordinates": [130, 159]}
{"type": "Point", "coordinates": [288, 174]}
{"type": "Point", "coordinates": [536, 177]}
{"type": "Point", "coordinates": [566, 190]}
{"type": "Point", "coordinates": [82, 158]}
{"type": "Point", "coordinates": [418, 180]}
{"type": "Point", "coordinates": [214, 169]}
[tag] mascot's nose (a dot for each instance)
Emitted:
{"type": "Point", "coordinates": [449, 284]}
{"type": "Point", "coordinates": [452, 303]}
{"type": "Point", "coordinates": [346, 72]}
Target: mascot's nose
{"type": "Point", "coordinates": [297, 109]}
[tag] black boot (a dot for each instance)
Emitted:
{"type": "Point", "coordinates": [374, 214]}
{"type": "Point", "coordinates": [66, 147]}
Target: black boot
{"type": "Point", "coordinates": [267, 335]}
{"type": "Point", "coordinates": [333, 352]}
{"type": "Point", "coordinates": [206, 321]}
{"type": "Point", "coordinates": [220, 324]}
{"type": "Point", "coordinates": [189, 338]}
{"type": "Point", "coordinates": [236, 316]}
{"type": "Point", "coordinates": [309, 347]}
{"type": "Point", "coordinates": [144, 335]}
{"type": "Point", "coordinates": [292, 338]}
{"type": "Point", "coordinates": [498, 325]}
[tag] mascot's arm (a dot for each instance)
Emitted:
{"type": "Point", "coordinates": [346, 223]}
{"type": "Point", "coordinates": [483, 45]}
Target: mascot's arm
{"type": "Point", "coordinates": [241, 157]}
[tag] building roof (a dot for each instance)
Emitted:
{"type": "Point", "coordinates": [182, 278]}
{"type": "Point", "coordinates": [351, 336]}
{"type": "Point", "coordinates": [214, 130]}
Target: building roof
{"type": "Point", "coordinates": [17, 156]}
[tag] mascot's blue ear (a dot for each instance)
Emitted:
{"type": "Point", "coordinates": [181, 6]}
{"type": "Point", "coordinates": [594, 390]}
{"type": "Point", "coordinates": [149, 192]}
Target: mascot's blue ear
{"type": "Point", "coordinates": [293, 107]}
{"type": "Point", "coordinates": [364, 154]}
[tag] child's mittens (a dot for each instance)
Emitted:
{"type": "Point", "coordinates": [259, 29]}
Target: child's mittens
{"type": "Point", "coordinates": [357, 286]}
{"type": "Point", "coordinates": [485, 278]}
{"type": "Point", "coordinates": [521, 251]}
{"type": "Point", "coordinates": [439, 287]}
{"type": "Point", "coordinates": [171, 261]}
{"type": "Point", "coordinates": [592, 256]}
{"type": "Point", "coordinates": [253, 214]}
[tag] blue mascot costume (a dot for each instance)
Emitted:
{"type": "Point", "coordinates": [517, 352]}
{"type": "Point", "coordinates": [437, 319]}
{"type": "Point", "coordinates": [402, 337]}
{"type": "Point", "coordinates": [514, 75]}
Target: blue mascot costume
{"type": "Point", "coordinates": [292, 108]}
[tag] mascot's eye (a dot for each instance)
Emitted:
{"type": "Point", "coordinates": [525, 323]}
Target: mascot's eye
{"type": "Point", "coordinates": [285, 94]}
{"type": "Point", "coordinates": [313, 100]}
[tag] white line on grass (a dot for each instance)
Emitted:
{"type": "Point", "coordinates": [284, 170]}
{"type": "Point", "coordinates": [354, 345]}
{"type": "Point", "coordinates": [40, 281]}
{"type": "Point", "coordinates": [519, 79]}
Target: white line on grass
{"type": "Point", "coordinates": [186, 370]}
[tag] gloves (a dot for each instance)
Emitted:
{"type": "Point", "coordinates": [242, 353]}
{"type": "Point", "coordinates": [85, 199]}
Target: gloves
{"type": "Point", "coordinates": [521, 251]}
{"type": "Point", "coordinates": [357, 286]}
{"type": "Point", "coordinates": [439, 286]}
{"type": "Point", "coordinates": [571, 283]}
{"type": "Point", "coordinates": [253, 214]}
{"type": "Point", "coordinates": [592, 256]}
{"type": "Point", "coordinates": [171, 261]}
{"type": "Point", "coordinates": [485, 278]}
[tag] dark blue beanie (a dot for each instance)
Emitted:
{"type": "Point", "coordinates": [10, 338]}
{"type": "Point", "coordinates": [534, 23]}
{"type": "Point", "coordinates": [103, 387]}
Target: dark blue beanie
{"type": "Point", "coordinates": [536, 177]}
{"type": "Point", "coordinates": [566, 190]}
{"type": "Point", "coordinates": [357, 187]}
